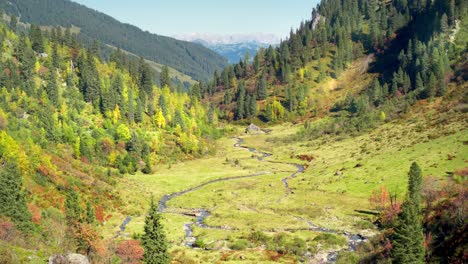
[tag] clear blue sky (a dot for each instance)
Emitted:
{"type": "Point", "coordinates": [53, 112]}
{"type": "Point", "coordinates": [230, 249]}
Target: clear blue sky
{"type": "Point", "coordinates": [174, 17]}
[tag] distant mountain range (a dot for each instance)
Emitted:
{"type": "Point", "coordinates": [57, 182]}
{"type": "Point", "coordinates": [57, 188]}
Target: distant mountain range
{"type": "Point", "coordinates": [187, 57]}
{"type": "Point", "coordinates": [233, 47]}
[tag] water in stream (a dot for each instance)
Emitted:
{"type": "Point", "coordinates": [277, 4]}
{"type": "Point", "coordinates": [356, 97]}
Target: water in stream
{"type": "Point", "coordinates": [201, 214]}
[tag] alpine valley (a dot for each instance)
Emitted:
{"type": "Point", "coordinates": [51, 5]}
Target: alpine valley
{"type": "Point", "coordinates": [347, 142]}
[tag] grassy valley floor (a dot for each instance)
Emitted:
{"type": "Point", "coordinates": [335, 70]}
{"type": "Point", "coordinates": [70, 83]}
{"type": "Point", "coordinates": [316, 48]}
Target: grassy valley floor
{"type": "Point", "coordinates": [323, 206]}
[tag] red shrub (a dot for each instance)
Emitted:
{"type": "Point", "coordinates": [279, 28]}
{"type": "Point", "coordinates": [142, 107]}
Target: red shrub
{"type": "Point", "coordinates": [35, 212]}
{"type": "Point", "coordinates": [7, 230]}
{"type": "Point", "coordinates": [130, 251]}
{"type": "Point", "coordinates": [99, 214]}
{"type": "Point", "coordinates": [380, 199]}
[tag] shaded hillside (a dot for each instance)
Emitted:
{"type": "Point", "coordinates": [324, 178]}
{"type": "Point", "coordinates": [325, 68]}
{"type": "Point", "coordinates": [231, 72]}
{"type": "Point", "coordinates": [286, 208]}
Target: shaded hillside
{"type": "Point", "coordinates": [189, 58]}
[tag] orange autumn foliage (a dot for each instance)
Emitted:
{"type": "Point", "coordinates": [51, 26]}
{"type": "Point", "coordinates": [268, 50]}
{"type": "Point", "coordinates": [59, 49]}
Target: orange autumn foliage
{"type": "Point", "coordinates": [130, 251]}
{"type": "Point", "coordinates": [35, 212]}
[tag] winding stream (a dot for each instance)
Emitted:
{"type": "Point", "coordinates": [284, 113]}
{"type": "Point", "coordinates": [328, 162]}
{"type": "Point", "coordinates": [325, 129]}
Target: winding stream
{"type": "Point", "coordinates": [201, 214]}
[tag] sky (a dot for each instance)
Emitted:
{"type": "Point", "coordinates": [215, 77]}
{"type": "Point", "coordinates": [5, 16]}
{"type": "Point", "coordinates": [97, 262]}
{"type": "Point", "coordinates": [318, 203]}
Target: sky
{"type": "Point", "coordinates": [179, 17]}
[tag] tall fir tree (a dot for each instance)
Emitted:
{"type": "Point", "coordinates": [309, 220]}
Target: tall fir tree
{"type": "Point", "coordinates": [13, 23]}
{"type": "Point", "coordinates": [52, 88]}
{"type": "Point", "coordinates": [90, 215]}
{"type": "Point", "coordinates": [261, 88]}
{"type": "Point", "coordinates": [12, 200]}
{"type": "Point", "coordinates": [165, 79]}
{"type": "Point", "coordinates": [408, 237]}
{"type": "Point", "coordinates": [73, 210]}
{"type": "Point", "coordinates": [154, 239]}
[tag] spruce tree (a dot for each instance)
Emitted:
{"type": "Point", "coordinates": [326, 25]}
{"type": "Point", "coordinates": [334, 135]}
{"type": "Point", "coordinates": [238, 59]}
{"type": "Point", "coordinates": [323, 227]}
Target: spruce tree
{"type": "Point", "coordinates": [408, 237]}
{"type": "Point", "coordinates": [52, 89]}
{"type": "Point", "coordinates": [154, 240]}
{"type": "Point", "coordinates": [13, 23]}
{"type": "Point", "coordinates": [90, 215]}
{"type": "Point", "coordinates": [12, 200]}
{"type": "Point", "coordinates": [261, 88]}
{"type": "Point", "coordinates": [165, 79]}
{"type": "Point", "coordinates": [73, 209]}
{"type": "Point", "coordinates": [240, 110]}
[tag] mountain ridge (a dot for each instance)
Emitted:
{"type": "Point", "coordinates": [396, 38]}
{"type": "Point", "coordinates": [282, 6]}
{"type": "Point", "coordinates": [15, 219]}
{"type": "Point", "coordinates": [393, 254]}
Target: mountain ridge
{"type": "Point", "coordinates": [189, 58]}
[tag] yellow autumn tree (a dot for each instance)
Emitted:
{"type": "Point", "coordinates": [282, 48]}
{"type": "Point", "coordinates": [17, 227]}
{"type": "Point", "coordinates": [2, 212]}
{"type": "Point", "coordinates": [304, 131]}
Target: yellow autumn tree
{"type": "Point", "coordinates": [160, 120]}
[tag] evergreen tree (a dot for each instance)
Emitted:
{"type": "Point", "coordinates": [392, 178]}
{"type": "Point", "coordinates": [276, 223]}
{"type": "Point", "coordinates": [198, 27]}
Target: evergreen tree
{"type": "Point", "coordinates": [90, 215]}
{"type": "Point", "coordinates": [227, 97]}
{"type": "Point", "coordinates": [165, 79]}
{"type": "Point", "coordinates": [154, 240]}
{"type": "Point", "coordinates": [73, 208]}
{"type": "Point", "coordinates": [408, 237]}
{"type": "Point", "coordinates": [253, 106]}
{"type": "Point", "coordinates": [139, 111]}
{"type": "Point", "coordinates": [52, 89]}
{"type": "Point", "coordinates": [146, 79]}
{"type": "Point", "coordinates": [13, 23]}
{"type": "Point", "coordinates": [163, 105]}
{"type": "Point", "coordinates": [240, 99]}
{"type": "Point", "coordinates": [35, 35]}
{"type": "Point", "coordinates": [12, 200]}
{"type": "Point", "coordinates": [131, 108]}
{"type": "Point", "coordinates": [55, 57]}
{"type": "Point", "coordinates": [444, 27]}
{"type": "Point", "coordinates": [261, 88]}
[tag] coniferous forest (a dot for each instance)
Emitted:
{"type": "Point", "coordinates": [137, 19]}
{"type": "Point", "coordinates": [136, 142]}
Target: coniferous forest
{"type": "Point", "coordinates": [346, 143]}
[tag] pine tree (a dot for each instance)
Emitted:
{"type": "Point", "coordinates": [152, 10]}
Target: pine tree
{"type": "Point", "coordinates": [52, 89]}
{"type": "Point", "coordinates": [73, 209]}
{"type": "Point", "coordinates": [253, 106]}
{"type": "Point", "coordinates": [131, 108]}
{"type": "Point", "coordinates": [146, 79]}
{"type": "Point", "coordinates": [139, 111]}
{"type": "Point", "coordinates": [13, 23]}
{"type": "Point", "coordinates": [240, 99]}
{"type": "Point", "coordinates": [408, 237]}
{"type": "Point", "coordinates": [90, 215]}
{"type": "Point", "coordinates": [165, 79]}
{"type": "Point", "coordinates": [163, 105]}
{"type": "Point", "coordinates": [154, 240]}
{"type": "Point", "coordinates": [444, 27]}
{"type": "Point", "coordinates": [261, 88]}
{"type": "Point", "coordinates": [55, 57]}
{"type": "Point", "coordinates": [12, 200]}
{"type": "Point", "coordinates": [35, 34]}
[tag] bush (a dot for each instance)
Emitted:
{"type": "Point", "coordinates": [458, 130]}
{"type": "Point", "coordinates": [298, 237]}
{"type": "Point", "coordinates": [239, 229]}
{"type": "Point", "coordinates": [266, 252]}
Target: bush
{"type": "Point", "coordinates": [130, 251]}
{"type": "Point", "coordinates": [347, 258]}
{"type": "Point", "coordinates": [199, 243]}
{"type": "Point", "coordinates": [330, 239]}
{"type": "Point", "coordinates": [278, 243]}
{"type": "Point", "coordinates": [239, 244]}
{"type": "Point", "coordinates": [258, 237]}
{"type": "Point", "coordinates": [297, 246]}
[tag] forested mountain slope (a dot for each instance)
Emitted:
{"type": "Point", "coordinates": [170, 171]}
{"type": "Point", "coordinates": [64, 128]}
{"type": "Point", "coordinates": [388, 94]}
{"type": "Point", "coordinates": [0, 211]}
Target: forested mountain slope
{"type": "Point", "coordinates": [70, 126]}
{"type": "Point", "coordinates": [407, 48]}
{"type": "Point", "coordinates": [189, 58]}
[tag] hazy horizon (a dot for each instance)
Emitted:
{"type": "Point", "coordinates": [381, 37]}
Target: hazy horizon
{"type": "Point", "coordinates": [208, 17]}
